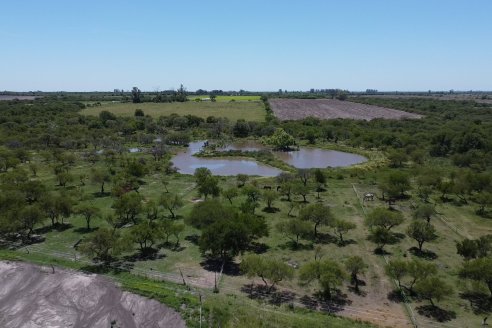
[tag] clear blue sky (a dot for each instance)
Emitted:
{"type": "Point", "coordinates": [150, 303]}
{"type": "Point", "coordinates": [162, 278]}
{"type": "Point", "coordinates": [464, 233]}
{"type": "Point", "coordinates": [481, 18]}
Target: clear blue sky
{"type": "Point", "coordinates": [249, 44]}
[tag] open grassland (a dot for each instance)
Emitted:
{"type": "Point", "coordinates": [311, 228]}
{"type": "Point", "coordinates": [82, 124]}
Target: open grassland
{"type": "Point", "coordinates": [298, 109]}
{"type": "Point", "coordinates": [227, 98]}
{"type": "Point", "coordinates": [343, 194]}
{"type": "Point", "coordinates": [248, 110]}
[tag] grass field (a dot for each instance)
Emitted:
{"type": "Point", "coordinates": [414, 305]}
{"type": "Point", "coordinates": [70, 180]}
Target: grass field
{"type": "Point", "coordinates": [345, 187]}
{"type": "Point", "coordinates": [248, 110]}
{"type": "Point", "coordinates": [228, 98]}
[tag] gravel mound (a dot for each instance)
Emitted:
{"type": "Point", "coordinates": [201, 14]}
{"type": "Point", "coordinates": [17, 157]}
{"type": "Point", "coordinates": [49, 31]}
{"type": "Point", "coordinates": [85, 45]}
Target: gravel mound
{"type": "Point", "coordinates": [32, 296]}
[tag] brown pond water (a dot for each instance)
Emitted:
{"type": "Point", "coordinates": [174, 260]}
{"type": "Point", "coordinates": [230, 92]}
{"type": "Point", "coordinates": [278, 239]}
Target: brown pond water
{"type": "Point", "coordinates": [302, 158]}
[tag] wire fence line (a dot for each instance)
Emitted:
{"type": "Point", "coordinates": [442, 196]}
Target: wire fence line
{"type": "Point", "coordinates": [406, 302]}
{"type": "Point", "coordinates": [197, 286]}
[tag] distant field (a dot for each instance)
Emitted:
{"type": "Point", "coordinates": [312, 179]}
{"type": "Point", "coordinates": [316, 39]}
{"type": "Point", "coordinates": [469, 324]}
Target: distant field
{"type": "Point", "coordinates": [248, 110]}
{"type": "Point", "coordinates": [229, 98]}
{"type": "Point", "coordinates": [297, 109]}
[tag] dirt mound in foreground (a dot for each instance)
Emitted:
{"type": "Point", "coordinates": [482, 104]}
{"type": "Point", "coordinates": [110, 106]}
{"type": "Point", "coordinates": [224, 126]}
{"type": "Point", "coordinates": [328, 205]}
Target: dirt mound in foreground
{"type": "Point", "coordinates": [32, 296]}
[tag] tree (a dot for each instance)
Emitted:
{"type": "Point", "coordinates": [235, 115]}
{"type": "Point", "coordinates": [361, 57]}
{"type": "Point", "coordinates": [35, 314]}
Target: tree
{"type": "Point", "coordinates": [206, 213]}
{"type": "Point", "coordinates": [467, 248]}
{"type": "Point", "coordinates": [252, 193]}
{"type": "Point", "coordinates": [327, 273]}
{"type": "Point", "coordinates": [267, 269]}
{"type": "Point", "coordinates": [103, 244]}
{"type": "Point", "coordinates": [355, 265]}
{"type": "Point", "coordinates": [341, 227]}
{"type": "Point", "coordinates": [384, 218]}
{"type": "Point", "coordinates": [136, 95]}
{"type": "Point", "coordinates": [422, 232]}
{"type": "Point", "coordinates": [209, 186]}
{"type": "Point", "coordinates": [270, 196]}
{"type": "Point", "coordinates": [286, 189]}
{"type": "Point", "coordinates": [89, 212]}
{"type": "Point", "coordinates": [56, 206]}
{"type": "Point", "coordinates": [433, 288]}
{"type": "Point", "coordinates": [304, 175]}
{"type": "Point", "coordinates": [318, 214]}
{"type": "Point", "coordinates": [171, 202]}
{"type": "Point", "coordinates": [483, 199]}
{"type": "Point", "coordinates": [479, 270]}
{"type": "Point", "coordinates": [397, 270]}
{"type": "Point", "coordinates": [230, 193]}
{"type": "Point", "coordinates": [280, 140]}
{"type": "Point", "coordinates": [224, 239]}
{"type": "Point", "coordinates": [241, 179]}
{"type": "Point", "coordinates": [145, 234]}
{"type": "Point", "coordinates": [128, 207]}
{"type": "Point", "coordinates": [101, 177]}
{"type": "Point", "coordinates": [396, 184]}
{"type": "Point", "coordinates": [151, 210]}
{"type": "Point", "coordinates": [397, 158]}
{"type": "Point", "coordinates": [381, 237]}
{"type": "Point", "coordinates": [424, 211]}
{"type": "Point", "coordinates": [30, 216]}
{"type": "Point", "coordinates": [201, 174]}
{"type": "Point", "coordinates": [320, 179]}
{"type": "Point", "coordinates": [301, 189]}
{"type": "Point", "coordinates": [64, 178]}
{"type": "Point", "coordinates": [418, 270]}
{"type": "Point", "coordinates": [294, 229]}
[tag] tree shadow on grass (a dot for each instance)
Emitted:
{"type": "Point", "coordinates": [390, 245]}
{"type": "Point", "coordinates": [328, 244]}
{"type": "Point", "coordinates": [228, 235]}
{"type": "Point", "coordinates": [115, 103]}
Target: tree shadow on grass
{"type": "Point", "coordinates": [85, 230]}
{"type": "Point", "coordinates": [114, 267]}
{"type": "Point", "coordinates": [149, 254]}
{"type": "Point", "coordinates": [291, 245]}
{"type": "Point", "coordinates": [271, 209]}
{"type": "Point", "coordinates": [215, 265]}
{"type": "Point", "coordinates": [275, 297]}
{"type": "Point", "coordinates": [57, 227]}
{"type": "Point", "coordinates": [381, 251]}
{"type": "Point", "coordinates": [436, 313]}
{"type": "Point", "coordinates": [171, 246]}
{"type": "Point", "coordinates": [333, 305]}
{"type": "Point", "coordinates": [346, 242]}
{"type": "Point", "coordinates": [258, 248]}
{"type": "Point", "coordinates": [480, 303]}
{"type": "Point", "coordinates": [193, 239]}
{"type": "Point", "coordinates": [396, 296]}
{"type": "Point", "coordinates": [424, 254]}
{"type": "Point", "coordinates": [326, 238]}
{"type": "Point", "coordinates": [98, 194]}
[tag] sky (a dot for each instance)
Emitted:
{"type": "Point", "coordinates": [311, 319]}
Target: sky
{"type": "Point", "coordinates": [404, 45]}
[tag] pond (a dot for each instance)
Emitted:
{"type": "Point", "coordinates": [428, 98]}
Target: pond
{"type": "Point", "coordinates": [308, 158]}
{"type": "Point", "coordinates": [187, 163]}
{"type": "Point", "coordinates": [303, 158]}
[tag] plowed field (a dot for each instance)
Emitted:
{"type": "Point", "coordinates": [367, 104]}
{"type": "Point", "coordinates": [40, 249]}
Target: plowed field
{"type": "Point", "coordinates": [297, 109]}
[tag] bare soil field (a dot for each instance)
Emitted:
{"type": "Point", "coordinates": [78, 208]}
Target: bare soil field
{"type": "Point", "coordinates": [297, 109]}
{"type": "Point", "coordinates": [13, 97]}
{"type": "Point", "coordinates": [459, 97]}
{"type": "Point", "coordinates": [34, 296]}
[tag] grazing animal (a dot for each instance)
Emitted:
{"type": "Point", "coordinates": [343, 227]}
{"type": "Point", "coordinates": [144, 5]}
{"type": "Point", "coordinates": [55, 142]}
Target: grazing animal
{"type": "Point", "coordinates": [369, 196]}
{"type": "Point", "coordinates": [267, 187]}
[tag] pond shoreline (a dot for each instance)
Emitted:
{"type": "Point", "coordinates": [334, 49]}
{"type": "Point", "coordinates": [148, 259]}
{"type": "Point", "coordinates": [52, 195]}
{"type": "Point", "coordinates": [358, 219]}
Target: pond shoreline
{"type": "Point", "coordinates": [251, 151]}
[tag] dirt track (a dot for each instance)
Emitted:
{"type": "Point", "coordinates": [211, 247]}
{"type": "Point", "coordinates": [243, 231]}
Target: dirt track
{"type": "Point", "coordinates": [297, 109]}
{"type": "Point", "coordinates": [32, 296]}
